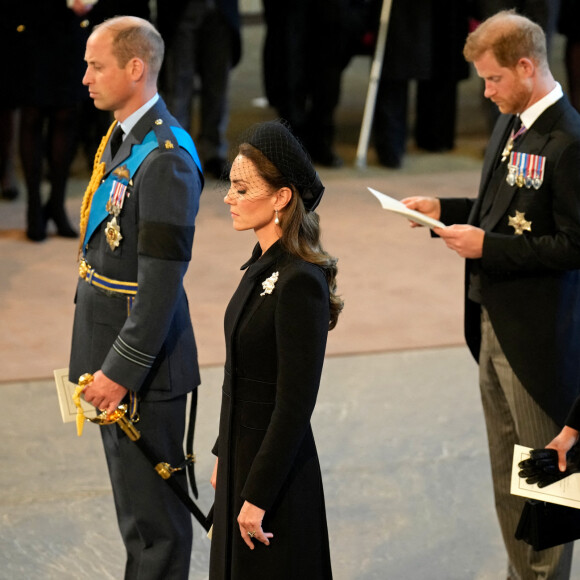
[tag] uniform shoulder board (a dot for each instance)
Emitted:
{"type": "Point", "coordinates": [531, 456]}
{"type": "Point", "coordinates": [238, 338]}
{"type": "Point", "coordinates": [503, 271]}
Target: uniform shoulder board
{"type": "Point", "coordinates": [164, 134]}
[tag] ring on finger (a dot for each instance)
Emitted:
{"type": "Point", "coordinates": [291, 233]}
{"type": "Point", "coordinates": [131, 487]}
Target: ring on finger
{"type": "Point", "coordinates": [251, 534]}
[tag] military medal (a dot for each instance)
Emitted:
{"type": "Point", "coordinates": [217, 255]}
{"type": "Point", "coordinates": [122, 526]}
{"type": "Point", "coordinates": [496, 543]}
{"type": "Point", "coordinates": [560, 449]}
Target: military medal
{"type": "Point", "coordinates": [521, 162]}
{"type": "Point", "coordinates": [526, 170]}
{"type": "Point", "coordinates": [519, 223]}
{"type": "Point", "coordinates": [115, 205]}
{"type": "Point", "coordinates": [539, 165]}
{"type": "Point", "coordinates": [511, 176]}
{"type": "Point", "coordinates": [113, 233]}
{"type": "Point", "coordinates": [510, 142]}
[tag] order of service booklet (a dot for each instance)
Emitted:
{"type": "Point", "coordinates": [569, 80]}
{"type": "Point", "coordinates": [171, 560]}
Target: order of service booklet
{"type": "Point", "coordinates": [65, 390]}
{"type": "Point", "coordinates": [394, 205]}
{"type": "Point", "coordinates": [564, 492]}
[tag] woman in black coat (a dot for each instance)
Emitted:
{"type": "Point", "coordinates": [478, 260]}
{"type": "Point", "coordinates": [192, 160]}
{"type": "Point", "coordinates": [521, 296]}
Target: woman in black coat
{"type": "Point", "coordinates": [269, 516]}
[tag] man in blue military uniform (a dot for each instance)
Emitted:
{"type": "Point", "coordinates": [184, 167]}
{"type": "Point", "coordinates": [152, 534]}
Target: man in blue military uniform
{"type": "Point", "coordinates": [132, 328]}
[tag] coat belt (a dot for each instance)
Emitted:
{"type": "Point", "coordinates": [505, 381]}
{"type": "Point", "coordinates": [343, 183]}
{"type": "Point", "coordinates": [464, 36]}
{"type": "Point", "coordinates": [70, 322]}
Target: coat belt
{"type": "Point", "coordinates": [89, 275]}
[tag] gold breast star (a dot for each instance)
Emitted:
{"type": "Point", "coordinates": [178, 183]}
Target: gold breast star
{"type": "Point", "coordinates": [520, 223]}
{"type": "Point", "coordinates": [113, 234]}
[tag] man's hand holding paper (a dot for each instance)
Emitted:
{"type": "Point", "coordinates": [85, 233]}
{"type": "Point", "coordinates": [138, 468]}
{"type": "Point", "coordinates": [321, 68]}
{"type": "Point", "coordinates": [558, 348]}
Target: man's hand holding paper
{"type": "Point", "coordinates": [464, 239]}
{"type": "Point", "coordinates": [430, 206]}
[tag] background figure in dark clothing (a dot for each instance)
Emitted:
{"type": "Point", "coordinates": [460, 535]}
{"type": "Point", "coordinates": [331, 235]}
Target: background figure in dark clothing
{"type": "Point", "coordinates": [203, 45]}
{"type": "Point", "coordinates": [424, 43]}
{"type": "Point", "coordinates": [304, 56]}
{"type": "Point", "coordinates": [10, 96]}
{"type": "Point", "coordinates": [543, 12]}
{"type": "Point", "coordinates": [569, 26]}
{"type": "Point", "coordinates": [49, 76]}
{"type": "Point", "coordinates": [8, 126]}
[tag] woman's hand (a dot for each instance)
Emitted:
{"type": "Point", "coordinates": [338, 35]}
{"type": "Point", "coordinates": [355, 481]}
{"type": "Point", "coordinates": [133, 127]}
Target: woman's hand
{"type": "Point", "coordinates": [250, 522]}
{"type": "Point", "coordinates": [213, 478]}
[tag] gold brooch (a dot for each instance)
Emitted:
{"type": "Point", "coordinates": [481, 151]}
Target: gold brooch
{"type": "Point", "coordinates": [168, 144]}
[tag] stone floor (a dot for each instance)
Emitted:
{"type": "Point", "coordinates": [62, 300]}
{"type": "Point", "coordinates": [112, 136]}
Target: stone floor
{"type": "Point", "coordinates": [403, 454]}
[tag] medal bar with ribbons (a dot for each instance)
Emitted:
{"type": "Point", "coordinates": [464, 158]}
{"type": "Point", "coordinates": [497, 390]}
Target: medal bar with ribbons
{"type": "Point", "coordinates": [526, 170]}
{"type": "Point", "coordinates": [115, 205]}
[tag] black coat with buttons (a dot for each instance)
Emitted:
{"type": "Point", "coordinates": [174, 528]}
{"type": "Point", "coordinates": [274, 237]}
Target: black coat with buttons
{"type": "Point", "coordinates": [275, 351]}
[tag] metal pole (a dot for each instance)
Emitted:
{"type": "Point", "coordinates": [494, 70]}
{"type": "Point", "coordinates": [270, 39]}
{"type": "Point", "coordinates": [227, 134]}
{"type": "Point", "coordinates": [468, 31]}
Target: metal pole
{"type": "Point", "coordinates": [376, 68]}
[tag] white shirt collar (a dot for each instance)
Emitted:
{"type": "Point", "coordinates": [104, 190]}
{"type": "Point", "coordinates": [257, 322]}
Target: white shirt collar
{"type": "Point", "coordinates": [130, 122]}
{"type": "Point", "coordinates": [530, 115]}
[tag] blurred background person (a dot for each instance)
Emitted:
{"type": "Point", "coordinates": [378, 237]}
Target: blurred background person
{"type": "Point", "coordinates": [569, 26]}
{"type": "Point", "coordinates": [304, 56]}
{"type": "Point", "coordinates": [50, 71]}
{"type": "Point", "coordinates": [11, 35]}
{"type": "Point", "coordinates": [203, 45]}
{"type": "Point", "coordinates": [424, 44]}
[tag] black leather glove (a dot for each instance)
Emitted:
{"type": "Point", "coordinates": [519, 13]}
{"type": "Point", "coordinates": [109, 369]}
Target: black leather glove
{"type": "Point", "coordinates": [542, 466]}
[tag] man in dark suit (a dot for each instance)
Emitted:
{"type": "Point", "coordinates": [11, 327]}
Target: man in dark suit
{"type": "Point", "coordinates": [132, 329]}
{"type": "Point", "coordinates": [203, 42]}
{"type": "Point", "coordinates": [424, 43]}
{"type": "Point", "coordinates": [521, 239]}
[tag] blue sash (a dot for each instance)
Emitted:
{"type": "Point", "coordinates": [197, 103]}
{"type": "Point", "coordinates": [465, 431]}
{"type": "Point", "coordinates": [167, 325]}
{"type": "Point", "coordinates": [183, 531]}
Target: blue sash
{"type": "Point", "coordinates": [138, 155]}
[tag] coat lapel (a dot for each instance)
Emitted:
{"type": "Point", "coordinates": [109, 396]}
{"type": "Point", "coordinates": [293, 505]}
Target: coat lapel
{"type": "Point", "coordinates": [135, 136]}
{"type": "Point", "coordinates": [493, 152]}
{"type": "Point", "coordinates": [256, 267]}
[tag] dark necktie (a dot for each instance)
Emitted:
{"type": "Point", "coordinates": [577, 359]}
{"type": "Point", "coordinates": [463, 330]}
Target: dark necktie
{"type": "Point", "coordinates": [116, 140]}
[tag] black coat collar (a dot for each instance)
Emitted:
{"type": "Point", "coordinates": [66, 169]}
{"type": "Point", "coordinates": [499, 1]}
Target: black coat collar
{"type": "Point", "coordinates": [259, 262]}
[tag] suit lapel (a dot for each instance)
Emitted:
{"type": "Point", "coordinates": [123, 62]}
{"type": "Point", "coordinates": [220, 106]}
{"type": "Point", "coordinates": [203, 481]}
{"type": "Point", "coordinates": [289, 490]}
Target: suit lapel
{"type": "Point", "coordinates": [491, 161]}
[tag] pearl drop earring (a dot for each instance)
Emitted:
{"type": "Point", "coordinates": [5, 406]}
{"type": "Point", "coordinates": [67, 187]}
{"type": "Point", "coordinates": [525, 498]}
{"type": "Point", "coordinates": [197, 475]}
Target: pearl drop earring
{"type": "Point", "coordinates": [276, 219]}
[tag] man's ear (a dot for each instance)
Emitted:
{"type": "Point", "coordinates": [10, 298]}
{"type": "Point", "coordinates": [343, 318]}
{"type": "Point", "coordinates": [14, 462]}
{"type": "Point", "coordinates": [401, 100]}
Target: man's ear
{"type": "Point", "coordinates": [526, 66]}
{"type": "Point", "coordinates": [136, 68]}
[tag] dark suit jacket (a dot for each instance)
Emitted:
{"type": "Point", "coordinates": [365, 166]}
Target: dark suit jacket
{"type": "Point", "coordinates": [151, 351]}
{"type": "Point", "coordinates": [44, 44]}
{"type": "Point", "coordinates": [275, 351]}
{"type": "Point", "coordinates": [425, 39]}
{"type": "Point", "coordinates": [530, 283]}
{"type": "Point", "coordinates": [170, 11]}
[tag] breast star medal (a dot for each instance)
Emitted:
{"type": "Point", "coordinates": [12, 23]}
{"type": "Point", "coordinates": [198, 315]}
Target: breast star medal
{"type": "Point", "coordinates": [519, 223]}
{"type": "Point", "coordinates": [113, 233]}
